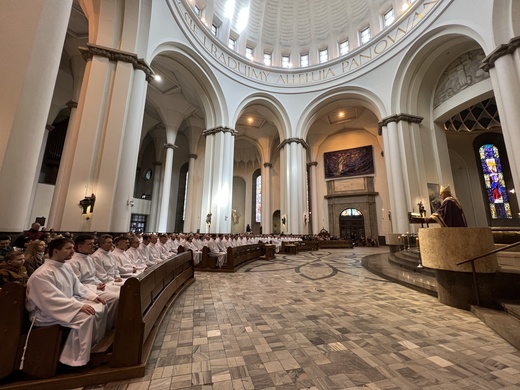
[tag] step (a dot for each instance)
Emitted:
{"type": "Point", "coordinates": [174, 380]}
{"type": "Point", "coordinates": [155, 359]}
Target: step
{"type": "Point", "coordinates": [512, 308]}
{"type": "Point", "coordinates": [505, 325]}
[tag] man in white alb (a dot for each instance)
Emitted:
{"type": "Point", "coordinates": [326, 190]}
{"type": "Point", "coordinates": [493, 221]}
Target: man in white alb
{"type": "Point", "coordinates": [56, 296]}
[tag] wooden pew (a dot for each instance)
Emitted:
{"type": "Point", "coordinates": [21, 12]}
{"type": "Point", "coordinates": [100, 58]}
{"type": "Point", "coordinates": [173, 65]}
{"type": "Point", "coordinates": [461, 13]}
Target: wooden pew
{"type": "Point", "coordinates": [308, 245]}
{"type": "Point", "coordinates": [143, 303]}
{"type": "Point", "coordinates": [240, 255]}
{"type": "Point", "coordinates": [45, 343]}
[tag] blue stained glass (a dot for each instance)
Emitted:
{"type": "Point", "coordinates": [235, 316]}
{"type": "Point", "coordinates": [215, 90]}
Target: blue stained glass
{"type": "Point", "coordinates": [495, 184]}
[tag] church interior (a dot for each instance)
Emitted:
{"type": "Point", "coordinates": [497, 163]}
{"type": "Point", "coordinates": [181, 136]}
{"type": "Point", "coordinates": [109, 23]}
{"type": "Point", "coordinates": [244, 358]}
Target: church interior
{"type": "Point", "coordinates": [287, 118]}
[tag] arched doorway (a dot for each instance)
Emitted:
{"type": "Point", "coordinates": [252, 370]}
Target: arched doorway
{"type": "Point", "coordinates": [276, 222]}
{"type": "Point", "coordinates": [352, 225]}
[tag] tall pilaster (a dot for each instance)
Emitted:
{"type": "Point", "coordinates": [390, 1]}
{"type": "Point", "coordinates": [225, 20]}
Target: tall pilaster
{"type": "Point", "coordinates": [28, 78]}
{"type": "Point", "coordinates": [267, 215]}
{"type": "Point", "coordinates": [218, 180]}
{"type": "Point", "coordinates": [99, 156]}
{"type": "Point", "coordinates": [293, 163]}
{"type": "Point", "coordinates": [313, 213]}
{"type": "Point", "coordinates": [503, 65]}
{"type": "Point", "coordinates": [401, 167]}
{"type": "Point", "coordinates": [164, 204]}
{"type": "Point", "coordinates": [190, 194]}
{"type": "Point", "coordinates": [156, 188]}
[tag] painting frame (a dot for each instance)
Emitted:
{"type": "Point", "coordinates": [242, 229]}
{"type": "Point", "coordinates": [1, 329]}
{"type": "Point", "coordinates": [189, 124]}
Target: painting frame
{"type": "Point", "coordinates": [349, 162]}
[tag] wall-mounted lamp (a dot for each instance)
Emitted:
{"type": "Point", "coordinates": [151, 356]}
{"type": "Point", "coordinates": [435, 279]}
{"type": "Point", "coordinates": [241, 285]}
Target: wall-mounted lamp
{"type": "Point", "coordinates": [130, 202]}
{"type": "Point", "coordinates": [87, 204]}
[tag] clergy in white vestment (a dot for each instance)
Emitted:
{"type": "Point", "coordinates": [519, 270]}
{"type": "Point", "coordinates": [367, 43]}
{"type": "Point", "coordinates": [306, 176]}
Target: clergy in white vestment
{"type": "Point", "coordinates": [85, 270]}
{"type": "Point", "coordinates": [154, 250]}
{"type": "Point", "coordinates": [56, 296]}
{"type": "Point", "coordinates": [197, 253]}
{"type": "Point", "coordinates": [214, 251]}
{"type": "Point", "coordinates": [106, 266]}
{"type": "Point", "coordinates": [123, 261]}
{"type": "Point", "coordinates": [138, 262]}
{"type": "Point", "coordinates": [144, 251]}
{"type": "Point", "coordinates": [163, 249]}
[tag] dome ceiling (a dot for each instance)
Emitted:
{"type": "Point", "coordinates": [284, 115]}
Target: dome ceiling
{"type": "Point", "coordinates": [300, 23]}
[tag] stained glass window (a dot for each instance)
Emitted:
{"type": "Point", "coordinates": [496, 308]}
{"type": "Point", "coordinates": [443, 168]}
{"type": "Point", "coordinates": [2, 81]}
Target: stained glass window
{"type": "Point", "coordinates": [495, 185]}
{"type": "Point", "coordinates": [351, 212]}
{"type": "Point", "coordinates": [258, 205]}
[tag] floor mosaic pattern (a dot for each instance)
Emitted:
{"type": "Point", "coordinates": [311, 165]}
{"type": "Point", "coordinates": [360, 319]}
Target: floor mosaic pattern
{"type": "Point", "coordinates": [318, 320]}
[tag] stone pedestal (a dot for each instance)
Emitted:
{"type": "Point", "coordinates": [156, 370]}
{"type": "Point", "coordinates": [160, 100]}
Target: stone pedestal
{"type": "Point", "coordinates": [442, 249]}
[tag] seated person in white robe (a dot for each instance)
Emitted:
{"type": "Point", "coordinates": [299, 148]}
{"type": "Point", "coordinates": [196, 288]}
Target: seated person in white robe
{"type": "Point", "coordinates": [138, 262]}
{"type": "Point", "coordinates": [123, 261]}
{"type": "Point", "coordinates": [56, 296]}
{"type": "Point", "coordinates": [154, 250]}
{"type": "Point", "coordinates": [144, 251]}
{"type": "Point", "coordinates": [214, 251]}
{"type": "Point", "coordinates": [163, 248]}
{"type": "Point", "coordinates": [106, 267]}
{"type": "Point", "coordinates": [85, 270]}
{"type": "Point", "coordinates": [197, 253]}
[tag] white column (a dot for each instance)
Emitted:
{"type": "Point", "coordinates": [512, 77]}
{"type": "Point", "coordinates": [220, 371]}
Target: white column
{"type": "Point", "coordinates": [190, 194]}
{"type": "Point", "coordinates": [267, 214]}
{"type": "Point", "coordinates": [125, 183]}
{"type": "Point", "coordinates": [314, 199]}
{"type": "Point", "coordinates": [293, 184]}
{"type": "Point", "coordinates": [156, 190]}
{"type": "Point", "coordinates": [395, 175]}
{"type": "Point", "coordinates": [503, 65]}
{"type": "Point", "coordinates": [164, 204]}
{"type": "Point", "coordinates": [29, 68]}
{"type": "Point", "coordinates": [218, 180]}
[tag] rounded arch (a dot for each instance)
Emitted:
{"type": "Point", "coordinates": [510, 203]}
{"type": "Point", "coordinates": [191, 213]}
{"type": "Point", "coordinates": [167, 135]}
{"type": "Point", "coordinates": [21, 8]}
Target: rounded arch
{"type": "Point", "coordinates": [201, 78]}
{"type": "Point", "coordinates": [274, 109]}
{"type": "Point", "coordinates": [424, 62]}
{"type": "Point", "coordinates": [318, 107]}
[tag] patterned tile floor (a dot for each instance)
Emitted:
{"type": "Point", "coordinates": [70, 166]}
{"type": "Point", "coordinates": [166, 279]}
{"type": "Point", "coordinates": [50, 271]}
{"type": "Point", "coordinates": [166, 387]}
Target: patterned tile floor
{"type": "Point", "coordinates": [320, 321]}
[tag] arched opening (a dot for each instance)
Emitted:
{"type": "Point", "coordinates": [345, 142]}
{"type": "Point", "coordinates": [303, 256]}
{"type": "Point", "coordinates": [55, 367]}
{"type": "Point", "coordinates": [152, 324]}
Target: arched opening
{"type": "Point", "coordinates": [352, 225]}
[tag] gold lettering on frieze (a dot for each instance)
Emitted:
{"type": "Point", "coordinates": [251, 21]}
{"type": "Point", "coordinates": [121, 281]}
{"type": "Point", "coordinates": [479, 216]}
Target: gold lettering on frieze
{"type": "Point", "coordinates": [315, 76]}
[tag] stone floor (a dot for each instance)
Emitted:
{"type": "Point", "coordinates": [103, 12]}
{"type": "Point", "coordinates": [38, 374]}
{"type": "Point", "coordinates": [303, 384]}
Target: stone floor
{"type": "Point", "coordinates": [320, 321]}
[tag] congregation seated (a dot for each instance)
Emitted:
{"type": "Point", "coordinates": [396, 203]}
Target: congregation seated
{"type": "Point", "coordinates": [123, 261]}
{"type": "Point", "coordinates": [107, 270]}
{"type": "Point", "coordinates": [12, 268]}
{"type": "Point", "coordinates": [56, 296]}
{"type": "Point", "coordinates": [34, 255]}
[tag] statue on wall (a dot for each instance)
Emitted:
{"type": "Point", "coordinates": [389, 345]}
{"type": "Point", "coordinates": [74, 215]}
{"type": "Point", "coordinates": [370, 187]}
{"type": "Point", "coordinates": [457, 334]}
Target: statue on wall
{"type": "Point", "coordinates": [235, 216]}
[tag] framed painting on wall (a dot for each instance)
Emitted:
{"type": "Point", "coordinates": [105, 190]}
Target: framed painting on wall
{"type": "Point", "coordinates": [434, 195]}
{"type": "Point", "coordinates": [349, 162]}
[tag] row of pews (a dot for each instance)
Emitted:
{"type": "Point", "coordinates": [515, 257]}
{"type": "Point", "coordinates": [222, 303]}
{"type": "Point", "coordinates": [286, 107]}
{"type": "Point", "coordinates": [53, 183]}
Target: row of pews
{"type": "Point", "coordinates": [122, 354]}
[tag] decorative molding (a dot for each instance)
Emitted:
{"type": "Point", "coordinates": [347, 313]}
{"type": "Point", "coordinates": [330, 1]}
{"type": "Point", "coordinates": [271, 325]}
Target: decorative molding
{"type": "Point", "coordinates": [157, 163]}
{"type": "Point", "coordinates": [220, 129]}
{"type": "Point", "coordinates": [500, 51]}
{"type": "Point", "coordinates": [293, 140]}
{"type": "Point", "coordinates": [268, 165]}
{"type": "Point", "coordinates": [117, 55]}
{"type": "Point", "coordinates": [72, 104]}
{"type": "Point", "coordinates": [312, 164]}
{"type": "Point", "coordinates": [49, 128]}
{"type": "Point", "coordinates": [398, 118]}
{"type": "Point", "coordinates": [170, 146]}
{"type": "Point", "coordinates": [191, 155]}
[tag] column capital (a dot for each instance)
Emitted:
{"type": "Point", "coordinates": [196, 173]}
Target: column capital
{"type": "Point", "coordinates": [312, 164]}
{"type": "Point", "coordinates": [117, 55]}
{"type": "Point", "coordinates": [268, 165]}
{"type": "Point", "coordinates": [170, 146]}
{"type": "Point", "coordinates": [398, 118]}
{"type": "Point", "coordinates": [293, 140]}
{"type": "Point", "coordinates": [191, 155]}
{"type": "Point", "coordinates": [500, 51]}
{"type": "Point", "coordinates": [220, 129]}
{"type": "Point", "coordinates": [72, 104]}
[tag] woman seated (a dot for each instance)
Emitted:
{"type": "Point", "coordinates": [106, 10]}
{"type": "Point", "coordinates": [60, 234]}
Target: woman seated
{"type": "Point", "coordinates": [12, 269]}
{"type": "Point", "coordinates": [34, 255]}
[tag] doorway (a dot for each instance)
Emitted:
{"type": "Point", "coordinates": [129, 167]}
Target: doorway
{"type": "Point", "coordinates": [352, 225]}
